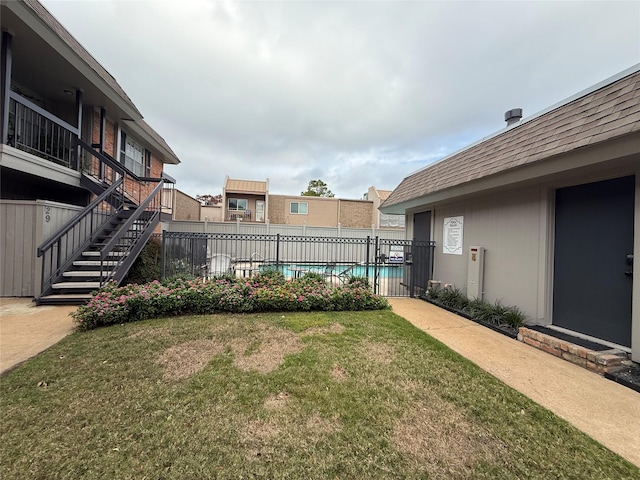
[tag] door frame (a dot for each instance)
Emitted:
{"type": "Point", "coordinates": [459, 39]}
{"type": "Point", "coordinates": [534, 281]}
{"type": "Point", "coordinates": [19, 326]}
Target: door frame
{"type": "Point", "coordinates": [549, 245]}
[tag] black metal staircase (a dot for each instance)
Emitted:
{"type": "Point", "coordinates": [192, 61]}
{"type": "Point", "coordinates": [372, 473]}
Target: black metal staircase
{"type": "Point", "coordinates": [102, 242]}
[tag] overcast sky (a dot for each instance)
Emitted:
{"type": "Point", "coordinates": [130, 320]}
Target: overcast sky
{"type": "Point", "coordinates": [356, 93]}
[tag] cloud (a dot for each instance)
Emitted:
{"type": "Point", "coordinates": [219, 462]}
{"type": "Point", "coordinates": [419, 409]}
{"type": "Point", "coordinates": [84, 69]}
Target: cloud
{"type": "Point", "coordinates": [355, 93]}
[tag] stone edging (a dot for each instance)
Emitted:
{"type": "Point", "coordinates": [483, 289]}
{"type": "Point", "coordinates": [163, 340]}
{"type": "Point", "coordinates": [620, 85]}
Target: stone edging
{"type": "Point", "coordinates": [606, 361]}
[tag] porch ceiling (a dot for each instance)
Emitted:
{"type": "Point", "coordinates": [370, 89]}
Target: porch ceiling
{"type": "Point", "coordinates": [58, 66]}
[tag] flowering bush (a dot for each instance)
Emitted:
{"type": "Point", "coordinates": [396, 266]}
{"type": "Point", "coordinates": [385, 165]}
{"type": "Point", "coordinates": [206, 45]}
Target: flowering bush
{"type": "Point", "coordinates": [112, 304]}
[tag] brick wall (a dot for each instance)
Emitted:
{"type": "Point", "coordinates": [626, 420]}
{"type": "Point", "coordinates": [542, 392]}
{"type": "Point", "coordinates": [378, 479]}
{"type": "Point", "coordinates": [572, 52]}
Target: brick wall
{"type": "Point", "coordinates": [136, 190]}
{"type": "Point", "coordinates": [185, 207]}
{"type": "Point", "coordinates": [276, 209]}
{"type": "Point", "coordinates": [356, 213]}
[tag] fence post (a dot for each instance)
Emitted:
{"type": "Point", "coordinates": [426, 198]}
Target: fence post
{"type": "Point", "coordinates": [162, 258]}
{"type": "Point", "coordinates": [413, 273]}
{"type": "Point", "coordinates": [277, 250]}
{"type": "Point", "coordinates": [366, 268]}
{"type": "Point", "coordinates": [375, 265]}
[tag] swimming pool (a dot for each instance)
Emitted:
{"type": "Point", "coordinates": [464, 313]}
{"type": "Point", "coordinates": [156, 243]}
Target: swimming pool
{"type": "Point", "coordinates": [293, 270]}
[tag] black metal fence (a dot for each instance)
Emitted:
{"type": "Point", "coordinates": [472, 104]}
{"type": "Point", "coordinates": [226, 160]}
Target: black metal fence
{"type": "Point", "coordinates": [395, 268]}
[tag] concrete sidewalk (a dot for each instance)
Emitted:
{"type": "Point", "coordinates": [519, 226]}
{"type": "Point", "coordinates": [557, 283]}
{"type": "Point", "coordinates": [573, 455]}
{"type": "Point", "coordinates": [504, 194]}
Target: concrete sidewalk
{"type": "Point", "coordinates": [27, 330]}
{"type": "Point", "coordinates": [601, 408]}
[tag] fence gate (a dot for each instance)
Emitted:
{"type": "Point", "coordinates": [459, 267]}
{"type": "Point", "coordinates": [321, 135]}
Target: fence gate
{"type": "Point", "coordinates": [395, 268]}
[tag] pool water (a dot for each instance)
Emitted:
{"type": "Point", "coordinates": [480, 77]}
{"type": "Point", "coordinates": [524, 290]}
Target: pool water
{"type": "Point", "coordinates": [386, 271]}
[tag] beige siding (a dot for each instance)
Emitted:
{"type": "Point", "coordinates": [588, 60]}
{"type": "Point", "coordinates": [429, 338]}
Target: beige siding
{"type": "Point", "coordinates": [322, 212]}
{"type": "Point", "coordinates": [511, 227]}
{"type": "Point", "coordinates": [25, 225]}
{"type": "Point", "coordinates": [211, 213]}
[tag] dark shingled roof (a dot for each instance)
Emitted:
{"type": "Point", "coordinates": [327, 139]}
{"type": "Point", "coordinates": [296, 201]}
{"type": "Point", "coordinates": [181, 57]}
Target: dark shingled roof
{"type": "Point", "coordinates": [608, 112]}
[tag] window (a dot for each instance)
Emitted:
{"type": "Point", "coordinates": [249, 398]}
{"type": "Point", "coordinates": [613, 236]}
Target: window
{"type": "Point", "coordinates": [237, 204]}
{"type": "Point", "coordinates": [299, 208]}
{"type": "Point", "coordinates": [133, 156]}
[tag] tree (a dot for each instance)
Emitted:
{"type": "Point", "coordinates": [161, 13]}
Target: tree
{"type": "Point", "coordinates": [317, 188]}
{"type": "Point", "coordinates": [207, 200]}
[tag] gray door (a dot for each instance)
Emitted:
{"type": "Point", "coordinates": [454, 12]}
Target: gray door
{"type": "Point", "coordinates": [421, 254]}
{"type": "Point", "coordinates": [592, 278]}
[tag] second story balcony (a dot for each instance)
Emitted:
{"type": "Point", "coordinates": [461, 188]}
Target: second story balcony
{"type": "Point", "coordinates": [34, 130]}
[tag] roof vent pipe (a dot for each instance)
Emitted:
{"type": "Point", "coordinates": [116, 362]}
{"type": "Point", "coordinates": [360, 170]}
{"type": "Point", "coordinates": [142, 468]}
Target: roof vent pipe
{"type": "Point", "coordinates": [512, 116]}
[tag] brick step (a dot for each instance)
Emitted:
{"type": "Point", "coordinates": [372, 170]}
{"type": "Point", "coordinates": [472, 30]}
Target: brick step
{"type": "Point", "coordinates": [603, 361]}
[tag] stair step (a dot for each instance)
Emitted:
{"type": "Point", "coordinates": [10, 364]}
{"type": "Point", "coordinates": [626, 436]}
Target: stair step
{"type": "Point", "coordinates": [87, 273]}
{"type": "Point", "coordinates": [76, 285]}
{"type": "Point", "coordinates": [95, 263]}
{"type": "Point", "coordinates": [95, 253]}
{"type": "Point", "coordinates": [64, 299]}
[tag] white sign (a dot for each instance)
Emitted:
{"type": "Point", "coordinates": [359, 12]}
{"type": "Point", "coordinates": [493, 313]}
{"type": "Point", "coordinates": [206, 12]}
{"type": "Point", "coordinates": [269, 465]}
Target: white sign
{"type": "Point", "coordinates": [452, 235]}
{"type": "Point", "coordinates": [396, 254]}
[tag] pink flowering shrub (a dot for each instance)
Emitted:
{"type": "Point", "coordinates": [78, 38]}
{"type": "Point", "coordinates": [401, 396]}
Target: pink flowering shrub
{"type": "Point", "coordinates": [263, 293]}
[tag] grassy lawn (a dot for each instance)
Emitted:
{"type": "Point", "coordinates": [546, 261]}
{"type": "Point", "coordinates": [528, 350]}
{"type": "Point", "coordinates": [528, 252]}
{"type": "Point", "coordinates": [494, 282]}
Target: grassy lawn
{"type": "Point", "coordinates": [338, 395]}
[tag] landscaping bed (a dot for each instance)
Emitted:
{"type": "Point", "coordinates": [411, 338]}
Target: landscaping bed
{"type": "Point", "coordinates": [266, 292]}
{"type": "Point", "coordinates": [504, 319]}
{"type": "Point", "coordinates": [629, 376]}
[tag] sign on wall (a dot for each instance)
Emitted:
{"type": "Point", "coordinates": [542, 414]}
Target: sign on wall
{"type": "Point", "coordinates": [452, 235]}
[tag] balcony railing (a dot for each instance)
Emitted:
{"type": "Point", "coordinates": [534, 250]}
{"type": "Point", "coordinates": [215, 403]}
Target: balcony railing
{"type": "Point", "coordinates": [36, 131]}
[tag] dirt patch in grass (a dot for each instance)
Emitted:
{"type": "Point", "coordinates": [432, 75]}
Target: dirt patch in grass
{"type": "Point", "coordinates": [338, 373]}
{"type": "Point", "coordinates": [260, 430]}
{"type": "Point", "coordinates": [435, 433]}
{"type": "Point", "coordinates": [333, 328]}
{"type": "Point", "coordinates": [382, 353]}
{"type": "Point", "coordinates": [277, 401]}
{"type": "Point", "coordinates": [265, 350]}
{"type": "Point", "coordinates": [183, 360]}
{"type": "Point", "coordinates": [322, 426]}
{"type": "Point", "coordinates": [147, 333]}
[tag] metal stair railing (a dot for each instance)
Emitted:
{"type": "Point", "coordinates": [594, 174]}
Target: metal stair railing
{"type": "Point", "coordinates": [61, 249]}
{"type": "Point", "coordinates": [131, 237]}
{"type": "Point", "coordinates": [124, 189]}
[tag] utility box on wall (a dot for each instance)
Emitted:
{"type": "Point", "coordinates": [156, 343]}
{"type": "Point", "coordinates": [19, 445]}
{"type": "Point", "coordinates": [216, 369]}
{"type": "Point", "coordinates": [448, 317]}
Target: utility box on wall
{"type": "Point", "coordinates": [475, 273]}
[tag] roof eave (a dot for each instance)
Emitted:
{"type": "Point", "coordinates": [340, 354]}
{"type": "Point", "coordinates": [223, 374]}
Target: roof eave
{"type": "Point", "coordinates": [44, 29]}
{"type": "Point", "coordinates": [168, 157]}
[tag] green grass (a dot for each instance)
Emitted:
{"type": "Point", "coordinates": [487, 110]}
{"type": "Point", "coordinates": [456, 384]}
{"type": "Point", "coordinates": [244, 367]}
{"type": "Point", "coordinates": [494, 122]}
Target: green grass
{"type": "Point", "coordinates": [301, 395]}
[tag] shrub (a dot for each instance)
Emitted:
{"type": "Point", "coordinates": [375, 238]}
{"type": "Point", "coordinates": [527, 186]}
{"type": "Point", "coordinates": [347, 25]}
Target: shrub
{"type": "Point", "coordinates": [496, 313]}
{"type": "Point", "coordinates": [355, 281]}
{"type": "Point", "coordinates": [179, 295]}
{"type": "Point", "coordinates": [453, 298]}
{"type": "Point", "coordinates": [146, 268]}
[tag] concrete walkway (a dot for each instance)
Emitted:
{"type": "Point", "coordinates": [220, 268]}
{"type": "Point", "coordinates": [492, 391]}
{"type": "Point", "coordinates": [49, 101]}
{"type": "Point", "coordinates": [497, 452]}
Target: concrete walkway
{"type": "Point", "coordinates": [27, 330]}
{"type": "Point", "coordinates": [601, 408]}
{"type": "Point", "coordinates": [604, 410]}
